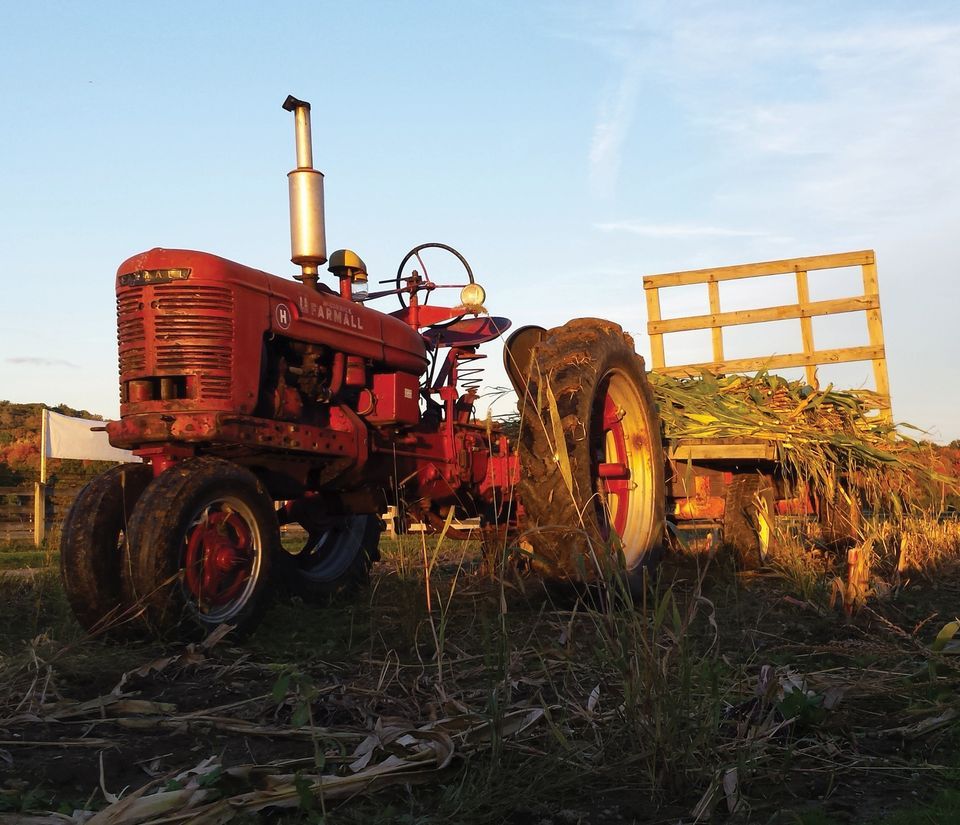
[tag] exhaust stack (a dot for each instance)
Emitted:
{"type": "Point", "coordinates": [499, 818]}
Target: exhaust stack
{"type": "Point", "coordinates": [308, 242]}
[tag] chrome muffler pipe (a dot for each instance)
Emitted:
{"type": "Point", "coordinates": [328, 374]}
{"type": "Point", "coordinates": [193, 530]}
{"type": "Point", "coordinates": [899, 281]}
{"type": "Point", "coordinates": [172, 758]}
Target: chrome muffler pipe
{"type": "Point", "coordinates": [308, 242]}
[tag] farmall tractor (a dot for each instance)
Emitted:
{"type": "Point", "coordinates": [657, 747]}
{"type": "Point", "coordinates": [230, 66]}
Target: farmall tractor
{"type": "Point", "coordinates": [255, 401]}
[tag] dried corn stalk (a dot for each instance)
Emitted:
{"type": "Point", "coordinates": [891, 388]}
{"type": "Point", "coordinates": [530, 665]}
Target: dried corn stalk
{"type": "Point", "coordinates": [820, 435]}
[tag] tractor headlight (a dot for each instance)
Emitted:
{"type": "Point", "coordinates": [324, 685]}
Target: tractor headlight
{"type": "Point", "coordinates": [472, 295]}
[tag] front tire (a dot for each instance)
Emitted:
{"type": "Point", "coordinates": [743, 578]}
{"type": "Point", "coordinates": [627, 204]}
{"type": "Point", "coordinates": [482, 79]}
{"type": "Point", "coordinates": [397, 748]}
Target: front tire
{"type": "Point", "coordinates": [93, 543]}
{"type": "Point", "coordinates": [203, 540]}
{"type": "Point", "coordinates": [591, 453]}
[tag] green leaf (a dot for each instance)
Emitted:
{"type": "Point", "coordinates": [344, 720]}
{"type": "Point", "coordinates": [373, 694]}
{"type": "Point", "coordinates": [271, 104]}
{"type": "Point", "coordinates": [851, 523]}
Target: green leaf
{"type": "Point", "coordinates": [661, 610]}
{"type": "Point", "coordinates": [677, 621]}
{"type": "Point", "coordinates": [280, 688]}
{"type": "Point", "coordinates": [301, 713]}
{"type": "Point", "coordinates": [304, 792]}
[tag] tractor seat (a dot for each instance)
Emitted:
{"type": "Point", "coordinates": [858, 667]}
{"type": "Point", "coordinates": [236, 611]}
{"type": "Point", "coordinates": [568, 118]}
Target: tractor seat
{"type": "Point", "coordinates": [468, 332]}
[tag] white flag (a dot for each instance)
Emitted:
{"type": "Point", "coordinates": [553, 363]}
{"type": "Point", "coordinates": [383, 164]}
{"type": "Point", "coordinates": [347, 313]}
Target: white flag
{"type": "Point", "coordinates": [68, 437]}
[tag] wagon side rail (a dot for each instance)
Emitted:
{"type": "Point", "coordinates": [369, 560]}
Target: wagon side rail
{"type": "Point", "coordinates": [804, 310]}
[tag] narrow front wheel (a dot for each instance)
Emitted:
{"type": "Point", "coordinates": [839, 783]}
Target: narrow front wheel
{"type": "Point", "coordinates": [94, 545]}
{"type": "Point", "coordinates": [336, 557]}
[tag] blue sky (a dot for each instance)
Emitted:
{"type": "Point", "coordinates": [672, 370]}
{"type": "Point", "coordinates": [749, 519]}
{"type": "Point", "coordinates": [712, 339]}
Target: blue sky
{"type": "Point", "coordinates": [566, 149]}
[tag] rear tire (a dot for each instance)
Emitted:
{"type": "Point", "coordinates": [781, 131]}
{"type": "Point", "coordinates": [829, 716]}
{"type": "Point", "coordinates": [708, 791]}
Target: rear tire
{"type": "Point", "coordinates": [604, 413]}
{"type": "Point", "coordinates": [94, 542]}
{"type": "Point", "coordinates": [203, 540]}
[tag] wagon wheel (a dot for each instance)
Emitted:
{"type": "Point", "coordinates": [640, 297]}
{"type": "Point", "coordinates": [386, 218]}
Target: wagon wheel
{"type": "Point", "coordinates": [93, 543]}
{"type": "Point", "coordinates": [337, 556]}
{"type": "Point", "coordinates": [748, 515]}
{"type": "Point", "coordinates": [203, 538]}
{"type": "Point", "coordinates": [591, 454]}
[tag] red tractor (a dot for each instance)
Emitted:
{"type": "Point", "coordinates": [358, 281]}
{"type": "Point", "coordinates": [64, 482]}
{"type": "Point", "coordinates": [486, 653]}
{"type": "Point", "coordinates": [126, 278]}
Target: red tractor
{"type": "Point", "coordinates": [256, 401]}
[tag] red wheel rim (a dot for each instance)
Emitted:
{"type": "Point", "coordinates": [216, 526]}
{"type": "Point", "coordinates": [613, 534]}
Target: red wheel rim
{"type": "Point", "coordinates": [220, 559]}
{"type": "Point", "coordinates": [623, 471]}
{"type": "Point", "coordinates": [612, 471]}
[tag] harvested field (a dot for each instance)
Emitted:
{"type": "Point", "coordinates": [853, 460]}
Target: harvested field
{"type": "Point", "coordinates": [718, 697]}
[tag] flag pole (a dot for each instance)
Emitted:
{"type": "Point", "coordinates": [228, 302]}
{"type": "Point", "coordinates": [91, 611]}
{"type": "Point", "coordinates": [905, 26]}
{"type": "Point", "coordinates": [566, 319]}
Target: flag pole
{"type": "Point", "coordinates": [40, 489]}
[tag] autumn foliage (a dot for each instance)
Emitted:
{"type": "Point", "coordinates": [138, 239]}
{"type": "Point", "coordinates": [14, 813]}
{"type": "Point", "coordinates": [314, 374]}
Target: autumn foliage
{"type": "Point", "coordinates": [20, 447]}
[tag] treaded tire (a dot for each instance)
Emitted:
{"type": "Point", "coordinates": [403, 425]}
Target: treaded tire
{"type": "Point", "coordinates": [94, 541]}
{"type": "Point", "coordinates": [589, 364]}
{"type": "Point", "coordinates": [202, 530]}
{"type": "Point", "coordinates": [334, 560]}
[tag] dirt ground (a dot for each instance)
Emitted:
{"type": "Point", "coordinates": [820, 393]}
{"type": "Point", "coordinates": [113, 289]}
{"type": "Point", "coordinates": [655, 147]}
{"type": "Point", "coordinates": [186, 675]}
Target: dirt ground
{"type": "Point", "coordinates": [718, 697]}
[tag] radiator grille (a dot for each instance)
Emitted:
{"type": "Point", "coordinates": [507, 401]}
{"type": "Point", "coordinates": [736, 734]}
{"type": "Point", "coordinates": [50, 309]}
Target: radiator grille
{"type": "Point", "coordinates": [129, 319]}
{"type": "Point", "coordinates": [213, 386]}
{"type": "Point", "coordinates": [190, 327]}
{"type": "Point", "coordinates": [189, 296]}
{"type": "Point", "coordinates": [175, 356]}
{"type": "Point", "coordinates": [130, 330]}
{"type": "Point", "coordinates": [194, 333]}
{"type": "Point", "coordinates": [133, 360]}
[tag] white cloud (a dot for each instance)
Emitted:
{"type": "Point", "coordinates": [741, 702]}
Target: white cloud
{"type": "Point", "coordinates": [661, 230]}
{"type": "Point", "coordinates": [861, 113]}
{"type": "Point", "coordinates": [867, 138]}
{"type": "Point", "coordinates": [34, 361]}
{"type": "Point", "coordinates": [611, 129]}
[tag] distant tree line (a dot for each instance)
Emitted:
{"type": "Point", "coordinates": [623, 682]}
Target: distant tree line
{"type": "Point", "coordinates": [20, 448]}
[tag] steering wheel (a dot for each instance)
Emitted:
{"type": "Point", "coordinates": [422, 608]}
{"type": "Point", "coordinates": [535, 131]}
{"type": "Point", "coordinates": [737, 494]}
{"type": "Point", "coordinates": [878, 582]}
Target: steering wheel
{"type": "Point", "coordinates": [428, 285]}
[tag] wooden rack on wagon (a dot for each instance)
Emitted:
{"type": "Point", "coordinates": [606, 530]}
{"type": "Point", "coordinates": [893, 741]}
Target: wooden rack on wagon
{"type": "Point", "coordinates": [736, 482]}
